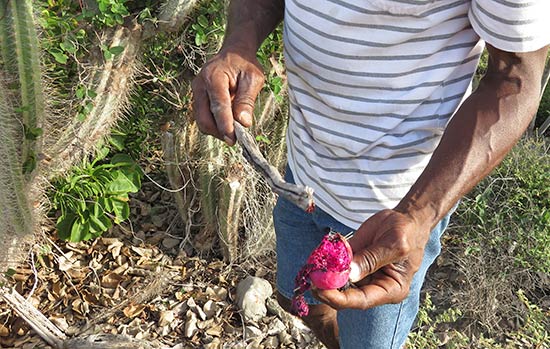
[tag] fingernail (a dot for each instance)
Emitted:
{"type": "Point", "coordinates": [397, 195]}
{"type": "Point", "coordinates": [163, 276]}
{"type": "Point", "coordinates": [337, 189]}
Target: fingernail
{"type": "Point", "coordinates": [355, 272]}
{"type": "Point", "coordinates": [245, 117]}
{"type": "Point", "coordinates": [227, 140]}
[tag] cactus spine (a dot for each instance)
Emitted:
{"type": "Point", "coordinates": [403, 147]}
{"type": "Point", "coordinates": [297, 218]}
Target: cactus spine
{"type": "Point", "coordinates": [22, 111]}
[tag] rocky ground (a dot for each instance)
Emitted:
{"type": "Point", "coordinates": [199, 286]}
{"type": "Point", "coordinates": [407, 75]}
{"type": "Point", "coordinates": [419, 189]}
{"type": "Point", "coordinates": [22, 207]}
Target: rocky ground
{"type": "Point", "coordinates": [143, 280]}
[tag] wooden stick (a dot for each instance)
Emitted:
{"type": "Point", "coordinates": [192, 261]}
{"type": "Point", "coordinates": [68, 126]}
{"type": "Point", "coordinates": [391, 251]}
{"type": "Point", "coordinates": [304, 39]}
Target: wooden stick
{"type": "Point", "coordinates": [57, 339]}
{"type": "Point", "coordinates": [299, 195]}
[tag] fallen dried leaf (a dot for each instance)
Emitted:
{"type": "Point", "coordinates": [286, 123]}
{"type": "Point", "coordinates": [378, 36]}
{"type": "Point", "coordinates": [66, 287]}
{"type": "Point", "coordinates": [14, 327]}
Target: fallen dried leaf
{"type": "Point", "coordinates": [133, 310]}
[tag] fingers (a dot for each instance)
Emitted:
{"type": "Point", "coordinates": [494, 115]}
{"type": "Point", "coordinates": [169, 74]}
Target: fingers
{"type": "Point", "coordinates": [201, 109]}
{"type": "Point", "coordinates": [380, 241]}
{"type": "Point", "coordinates": [219, 88]}
{"type": "Point", "coordinates": [249, 86]}
{"type": "Point", "coordinates": [369, 260]}
{"type": "Point", "coordinates": [224, 91]}
{"type": "Point", "coordinates": [386, 287]}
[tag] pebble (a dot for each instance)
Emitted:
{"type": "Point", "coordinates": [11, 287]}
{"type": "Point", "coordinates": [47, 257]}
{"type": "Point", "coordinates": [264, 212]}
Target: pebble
{"type": "Point", "coordinates": [166, 317]}
{"type": "Point", "coordinates": [190, 325]}
{"type": "Point", "coordinates": [252, 293]}
{"type": "Point", "coordinates": [210, 308]}
{"type": "Point", "coordinates": [275, 327]}
{"type": "Point", "coordinates": [252, 332]}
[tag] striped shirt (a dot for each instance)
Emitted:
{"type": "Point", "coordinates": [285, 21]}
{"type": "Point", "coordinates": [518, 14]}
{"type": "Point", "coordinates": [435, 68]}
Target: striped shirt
{"type": "Point", "coordinates": [373, 83]}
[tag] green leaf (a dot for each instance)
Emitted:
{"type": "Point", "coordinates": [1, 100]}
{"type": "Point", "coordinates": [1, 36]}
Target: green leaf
{"type": "Point", "coordinates": [33, 133]}
{"type": "Point", "coordinates": [80, 92]}
{"type": "Point", "coordinates": [99, 222]}
{"type": "Point", "coordinates": [121, 210]}
{"type": "Point", "coordinates": [91, 93]}
{"type": "Point", "coordinates": [10, 272]}
{"type": "Point", "coordinates": [118, 141]}
{"type": "Point", "coordinates": [80, 231]}
{"type": "Point", "coordinates": [124, 182]}
{"type": "Point", "coordinates": [68, 46]}
{"type": "Point", "coordinates": [64, 225]}
{"type": "Point", "coordinates": [262, 138]}
{"type": "Point", "coordinates": [101, 154]}
{"type": "Point", "coordinates": [203, 22]}
{"type": "Point", "coordinates": [30, 163]}
{"type": "Point", "coordinates": [116, 50]}
{"type": "Point", "coordinates": [59, 56]}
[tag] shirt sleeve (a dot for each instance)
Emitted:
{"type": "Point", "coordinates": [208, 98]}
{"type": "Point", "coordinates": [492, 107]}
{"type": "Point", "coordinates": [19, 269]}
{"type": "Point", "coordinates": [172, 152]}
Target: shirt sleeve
{"type": "Point", "coordinates": [512, 25]}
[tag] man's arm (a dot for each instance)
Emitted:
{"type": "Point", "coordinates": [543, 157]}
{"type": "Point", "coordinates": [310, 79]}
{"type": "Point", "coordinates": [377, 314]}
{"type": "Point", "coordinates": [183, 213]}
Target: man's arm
{"type": "Point", "coordinates": [389, 247]}
{"type": "Point", "coordinates": [227, 86]}
{"type": "Point", "coordinates": [482, 132]}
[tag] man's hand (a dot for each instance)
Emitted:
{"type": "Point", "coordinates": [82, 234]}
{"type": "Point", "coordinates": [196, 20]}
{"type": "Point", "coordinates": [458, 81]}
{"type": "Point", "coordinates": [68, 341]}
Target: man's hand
{"type": "Point", "coordinates": [387, 250]}
{"type": "Point", "coordinates": [225, 90]}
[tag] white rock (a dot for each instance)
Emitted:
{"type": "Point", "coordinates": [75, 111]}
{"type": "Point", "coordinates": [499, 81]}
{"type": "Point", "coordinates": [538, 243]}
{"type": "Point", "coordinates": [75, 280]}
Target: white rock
{"type": "Point", "coordinates": [210, 308]}
{"type": "Point", "coordinates": [252, 332]}
{"type": "Point", "coordinates": [191, 325]}
{"type": "Point", "coordinates": [275, 327]}
{"type": "Point", "coordinates": [252, 293]}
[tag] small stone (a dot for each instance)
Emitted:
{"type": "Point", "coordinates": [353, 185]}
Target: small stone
{"type": "Point", "coordinates": [191, 325]}
{"type": "Point", "coordinates": [252, 332]}
{"type": "Point", "coordinates": [210, 308]}
{"type": "Point", "coordinates": [158, 220]}
{"type": "Point", "coordinates": [275, 327]}
{"type": "Point", "coordinates": [252, 293]}
{"type": "Point", "coordinates": [170, 242]}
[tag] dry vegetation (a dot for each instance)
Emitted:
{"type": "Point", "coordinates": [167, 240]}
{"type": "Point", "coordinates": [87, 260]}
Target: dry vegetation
{"type": "Point", "coordinates": [198, 221]}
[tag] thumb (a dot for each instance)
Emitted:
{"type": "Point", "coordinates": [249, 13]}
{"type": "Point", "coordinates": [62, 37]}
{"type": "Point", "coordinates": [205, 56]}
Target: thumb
{"type": "Point", "coordinates": [245, 97]}
{"type": "Point", "coordinates": [367, 261]}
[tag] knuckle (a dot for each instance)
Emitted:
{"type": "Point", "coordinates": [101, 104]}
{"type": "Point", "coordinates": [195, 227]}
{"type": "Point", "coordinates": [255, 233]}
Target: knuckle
{"type": "Point", "coordinates": [401, 246]}
{"type": "Point", "coordinates": [245, 99]}
{"type": "Point", "coordinates": [367, 261]}
{"type": "Point", "coordinates": [218, 108]}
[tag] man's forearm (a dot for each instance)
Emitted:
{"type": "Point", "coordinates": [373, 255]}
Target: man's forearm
{"type": "Point", "coordinates": [482, 132]}
{"type": "Point", "coordinates": [250, 22]}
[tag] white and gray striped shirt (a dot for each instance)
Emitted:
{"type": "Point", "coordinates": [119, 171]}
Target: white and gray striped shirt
{"type": "Point", "coordinates": [373, 83]}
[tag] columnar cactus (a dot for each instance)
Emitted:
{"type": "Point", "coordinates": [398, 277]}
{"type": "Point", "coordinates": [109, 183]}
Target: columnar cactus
{"type": "Point", "coordinates": [22, 111]}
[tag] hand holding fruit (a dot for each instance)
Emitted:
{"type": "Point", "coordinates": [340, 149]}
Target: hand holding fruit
{"type": "Point", "coordinates": [387, 250]}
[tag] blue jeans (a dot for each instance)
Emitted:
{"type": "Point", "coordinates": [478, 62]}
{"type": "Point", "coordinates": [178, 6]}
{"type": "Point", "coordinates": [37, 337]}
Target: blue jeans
{"type": "Point", "coordinates": [382, 327]}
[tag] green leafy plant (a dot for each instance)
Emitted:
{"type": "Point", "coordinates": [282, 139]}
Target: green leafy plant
{"type": "Point", "coordinates": [425, 335]}
{"type": "Point", "coordinates": [209, 24]}
{"type": "Point", "coordinates": [94, 195]}
{"type": "Point", "coordinates": [535, 328]}
{"type": "Point", "coordinates": [111, 12]}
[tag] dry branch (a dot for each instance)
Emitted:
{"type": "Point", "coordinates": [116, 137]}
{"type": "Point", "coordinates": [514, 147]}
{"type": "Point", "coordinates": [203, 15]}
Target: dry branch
{"type": "Point", "coordinates": [299, 195]}
{"type": "Point", "coordinates": [57, 339]}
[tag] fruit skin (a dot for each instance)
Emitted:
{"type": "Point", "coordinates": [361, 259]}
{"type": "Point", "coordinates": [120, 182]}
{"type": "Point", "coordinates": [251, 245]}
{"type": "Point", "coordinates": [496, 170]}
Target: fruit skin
{"type": "Point", "coordinates": [327, 268]}
{"type": "Point", "coordinates": [329, 280]}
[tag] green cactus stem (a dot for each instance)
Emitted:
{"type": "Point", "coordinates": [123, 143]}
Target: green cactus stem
{"type": "Point", "coordinates": [15, 211]}
{"type": "Point", "coordinates": [20, 50]}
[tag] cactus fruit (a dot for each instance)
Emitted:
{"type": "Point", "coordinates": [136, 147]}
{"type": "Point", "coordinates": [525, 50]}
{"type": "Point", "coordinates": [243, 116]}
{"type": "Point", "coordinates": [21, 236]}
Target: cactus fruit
{"type": "Point", "coordinates": [327, 268]}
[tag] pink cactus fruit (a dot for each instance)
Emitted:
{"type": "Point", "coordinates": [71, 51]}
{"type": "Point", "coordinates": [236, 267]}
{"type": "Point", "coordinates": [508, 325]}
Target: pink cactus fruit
{"type": "Point", "coordinates": [327, 268]}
